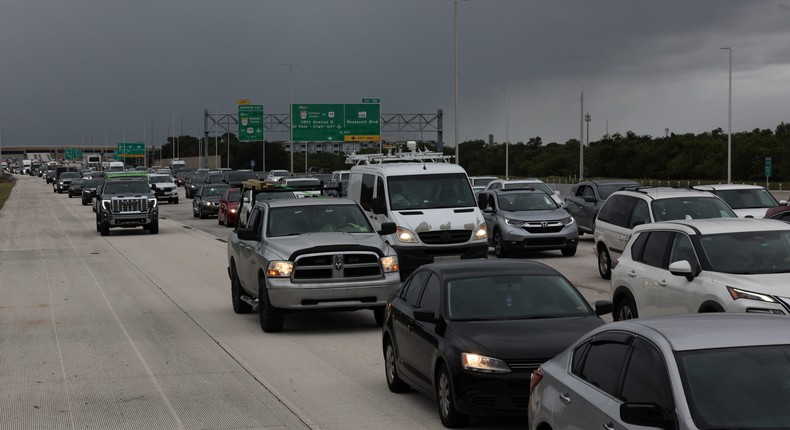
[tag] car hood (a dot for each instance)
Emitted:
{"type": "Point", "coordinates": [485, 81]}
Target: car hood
{"type": "Point", "coordinates": [774, 284]}
{"type": "Point", "coordinates": [437, 219]}
{"type": "Point", "coordinates": [285, 246]}
{"type": "Point", "coordinates": [541, 215]}
{"type": "Point", "coordinates": [517, 339]}
{"type": "Point", "coordinates": [164, 184]}
{"type": "Point", "coordinates": [751, 212]}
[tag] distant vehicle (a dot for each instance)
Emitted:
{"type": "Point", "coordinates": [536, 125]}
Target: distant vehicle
{"type": "Point", "coordinates": [193, 184]}
{"type": "Point", "coordinates": [339, 178]}
{"type": "Point", "coordinates": [468, 333]}
{"type": "Point", "coordinates": [177, 164]}
{"type": "Point", "coordinates": [307, 185]}
{"type": "Point", "coordinates": [481, 181]}
{"type": "Point", "coordinates": [206, 200]}
{"type": "Point", "coordinates": [228, 212]}
{"type": "Point", "coordinates": [748, 201]}
{"type": "Point", "coordinates": [587, 197]}
{"type": "Point", "coordinates": [680, 372]}
{"type": "Point", "coordinates": [64, 181]}
{"type": "Point", "coordinates": [275, 175]}
{"type": "Point", "coordinates": [499, 184]}
{"type": "Point", "coordinates": [628, 208]}
{"type": "Point", "coordinates": [163, 187]}
{"type": "Point", "coordinates": [235, 178]}
{"type": "Point", "coordinates": [126, 201]}
{"type": "Point", "coordinates": [89, 190]}
{"type": "Point", "coordinates": [708, 265]}
{"type": "Point", "coordinates": [115, 166]}
{"type": "Point", "coordinates": [75, 187]}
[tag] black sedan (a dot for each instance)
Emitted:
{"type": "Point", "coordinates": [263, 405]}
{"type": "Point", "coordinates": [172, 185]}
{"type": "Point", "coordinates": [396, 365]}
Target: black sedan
{"type": "Point", "coordinates": [205, 203]}
{"type": "Point", "coordinates": [470, 332]}
{"type": "Point", "coordinates": [89, 190]}
{"type": "Point", "coordinates": [75, 188]}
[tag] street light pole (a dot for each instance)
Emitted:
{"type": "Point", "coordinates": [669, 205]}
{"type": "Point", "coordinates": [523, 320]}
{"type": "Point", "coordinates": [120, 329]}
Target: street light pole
{"type": "Point", "coordinates": [587, 119]}
{"type": "Point", "coordinates": [729, 124]}
{"type": "Point", "coordinates": [581, 138]}
{"type": "Point", "coordinates": [290, 111]}
{"type": "Point", "coordinates": [507, 133]}
{"type": "Point", "coordinates": [455, 70]}
{"type": "Point", "coordinates": [215, 130]}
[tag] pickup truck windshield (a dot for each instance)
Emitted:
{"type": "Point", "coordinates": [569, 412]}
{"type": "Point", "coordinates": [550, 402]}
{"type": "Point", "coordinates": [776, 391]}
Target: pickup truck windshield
{"type": "Point", "coordinates": [450, 190]}
{"type": "Point", "coordinates": [317, 219]}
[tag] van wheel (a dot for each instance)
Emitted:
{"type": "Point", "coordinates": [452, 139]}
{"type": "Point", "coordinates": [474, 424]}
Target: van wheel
{"type": "Point", "coordinates": [604, 263]}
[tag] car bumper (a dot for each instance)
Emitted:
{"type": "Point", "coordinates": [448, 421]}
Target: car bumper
{"type": "Point", "coordinates": [519, 238]}
{"type": "Point", "coordinates": [349, 295]}
{"type": "Point", "coordinates": [412, 257]}
{"type": "Point", "coordinates": [492, 394]}
{"type": "Point", "coordinates": [167, 194]}
{"type": "Point", "coordinates": [131, 220]}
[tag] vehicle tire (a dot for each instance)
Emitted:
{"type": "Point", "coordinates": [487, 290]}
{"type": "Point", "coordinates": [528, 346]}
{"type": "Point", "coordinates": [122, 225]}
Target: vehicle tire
{"type": "Point", "coordinates": [201, 214]}
{"type": "Point", "coordinates": [104, 229]}
{"type": "Point", "coordinates": [219, 220]}
{"type": "Point", "coordinates": [194, 213]}
{"type": "Point", "coordinates": [500, 249]}
{"type": "Point", "coordinates": [154, 227]}
{"type": "Point", "coordinates": [569, 251]}
{"type": "Point", "coordinates": [271, 317]}
{"type": "Point", "coordinates": [60, 191]}
{"type": "Point", "coordinates": [239, 305]}
{"type": "Point", "coordinates": [378, 314]}
{"type": "Point", "coordinates": [70, 196]}
{"type": "Point", "coordinates": [450, 416]}
{"type": "Point", "coordinates": [84, 202]}
{"type": "Point", "coordinates": [175, 202]}
{"type": "Point", "coordinates": [625, 309]}
{"type": "Point", "coordinates": [604, 263]}
{"type": "Point", "coordinates": [394, 383]}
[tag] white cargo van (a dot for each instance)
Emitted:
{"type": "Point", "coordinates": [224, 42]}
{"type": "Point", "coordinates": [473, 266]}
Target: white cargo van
{"type": "Point", "coordinates": [429, 200]}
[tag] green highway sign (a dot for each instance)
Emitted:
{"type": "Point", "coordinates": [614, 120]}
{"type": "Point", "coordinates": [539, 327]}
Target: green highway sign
{"type": "Point", "coordinates": [250, 123]}
{"type": "Point", "coordinates": [130, 149]}
{"type": "Point", "coordinates": [767, 167]}
{"type": "Point", "coordinates": [73, 154]}
{"type": "Point", "coordinates": [336, 122]}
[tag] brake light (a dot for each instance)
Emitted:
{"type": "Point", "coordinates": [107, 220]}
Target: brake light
{"type": "Point", "coordinates": [534, 380]}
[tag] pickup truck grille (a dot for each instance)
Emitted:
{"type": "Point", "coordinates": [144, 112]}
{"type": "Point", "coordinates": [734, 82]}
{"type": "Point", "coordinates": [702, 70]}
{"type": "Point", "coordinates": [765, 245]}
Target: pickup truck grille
{"type": "Point", "coordinates": [129, 205]}
{"type": "Point", "coordinates": [445, 237]}
{"type": "Point", "coordinates": [338, 266]}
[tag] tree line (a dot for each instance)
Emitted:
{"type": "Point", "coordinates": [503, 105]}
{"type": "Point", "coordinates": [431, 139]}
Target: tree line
{"type": "Point", "coordinates": [688, 156]}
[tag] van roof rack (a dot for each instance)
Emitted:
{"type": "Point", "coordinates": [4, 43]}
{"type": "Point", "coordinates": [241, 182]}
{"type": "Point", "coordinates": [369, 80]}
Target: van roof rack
{"type": "Point", "coordinates": [399, 157]}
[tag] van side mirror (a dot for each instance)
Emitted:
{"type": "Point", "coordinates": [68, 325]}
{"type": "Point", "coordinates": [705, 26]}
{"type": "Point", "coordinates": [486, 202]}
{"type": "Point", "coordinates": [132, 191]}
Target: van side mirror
{"type": "Point", "coordinates": [378, 206]}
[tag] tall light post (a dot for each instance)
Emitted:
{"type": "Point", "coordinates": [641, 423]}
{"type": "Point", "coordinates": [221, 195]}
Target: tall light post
{"type": "Point", "coordinates": [215, 129]}
{"type": "Point", "coordinates": [290, 111]}
{"type": "Point", "coordinates": [581, 138]}
{"type": "Point", "coordinates": [455, 70]}
{"type": "Point", "coordinates": [587, 120]}
{"type": "Point", "coordinates": [507, 133]}
{"type": "Point", "coordinates": [729, 124]}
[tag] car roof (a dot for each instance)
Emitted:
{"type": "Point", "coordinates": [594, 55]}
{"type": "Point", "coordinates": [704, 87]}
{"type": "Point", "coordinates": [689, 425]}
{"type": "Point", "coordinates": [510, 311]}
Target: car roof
{"type": "Point", "coordinates": [658, 193]}
{"type": "Point", "coordinates": [688, 332]}
{"type": "Point", "coordinates": [610, 182]}
{"type": "Point", "coordinates": [716, 225]}
{"type": "Point", "coordinates": [728, 187]}
{"type": "Point", "coordinates": [399, 169]}
{"type": "Point", "coordinates": [309, 201]}
{"type": "Point", "coordinates": [453, 269]}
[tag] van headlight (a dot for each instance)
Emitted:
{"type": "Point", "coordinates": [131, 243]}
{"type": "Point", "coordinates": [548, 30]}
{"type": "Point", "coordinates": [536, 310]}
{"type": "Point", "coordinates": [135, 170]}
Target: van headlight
{"type": "Point", "coordinates": [279, 269]}
{"type": "Point", "coordinates": [405, 235]}
{"type": "Point", "coordinates": [481, 232]}
{"type": "Point", "coordinates": [389, 263]}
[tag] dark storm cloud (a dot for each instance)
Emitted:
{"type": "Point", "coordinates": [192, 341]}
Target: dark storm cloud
{"type": "Point", "coordinates": [72, 69]}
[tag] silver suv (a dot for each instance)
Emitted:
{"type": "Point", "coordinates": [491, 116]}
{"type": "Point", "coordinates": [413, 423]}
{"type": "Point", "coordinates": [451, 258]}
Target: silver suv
{"type": "Point", "coordinates": [631, 207]}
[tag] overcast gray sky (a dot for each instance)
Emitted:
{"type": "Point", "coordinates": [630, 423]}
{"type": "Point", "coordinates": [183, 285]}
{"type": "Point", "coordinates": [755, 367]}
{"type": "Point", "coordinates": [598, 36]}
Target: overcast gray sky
{"type": "Point", "coordinates": [77, 68]}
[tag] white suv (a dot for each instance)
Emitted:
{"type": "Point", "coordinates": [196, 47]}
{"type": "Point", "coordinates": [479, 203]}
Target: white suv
{"type": "Point", "coordinates": [628, 208]}
{"type": "Point", "coordinates": [748, 201]}
{"type": "Point", "coordinates": [712, 265]}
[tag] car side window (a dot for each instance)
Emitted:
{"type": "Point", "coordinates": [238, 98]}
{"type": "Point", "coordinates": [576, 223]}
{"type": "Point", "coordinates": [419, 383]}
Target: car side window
{"type": "Point", "coordinates": [412, 290]}
{"type": "Point", "coordinates": [683, 250]}
{"type": "Point", "coordinates": [638, 247]}
{"type": "Point", "coordinates": [380, 193]}
{"type": "Point", "coordinates": [640, 215]}
{"type": "Point", "coordinates": [603, 363]}
{"type": "Point", "coordinates": [366, 192]}
{"type": "Point", "coordinates": [656, 248]}
{"type": "Point", "coordinates": [431, 296]}
{"type": "Point", "coordinates": [588, 192]}
{"type": "Point", "coordinates": [606, 211]}
{"type": "Point", "coordinates": [646, 379]}
{"type": "Point", "coordinates": [491, 202]}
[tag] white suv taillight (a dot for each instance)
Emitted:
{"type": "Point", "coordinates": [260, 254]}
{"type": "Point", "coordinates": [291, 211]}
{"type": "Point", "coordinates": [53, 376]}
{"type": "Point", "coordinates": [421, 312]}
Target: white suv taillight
{"type": "Point", "coordinates": [534, 380]}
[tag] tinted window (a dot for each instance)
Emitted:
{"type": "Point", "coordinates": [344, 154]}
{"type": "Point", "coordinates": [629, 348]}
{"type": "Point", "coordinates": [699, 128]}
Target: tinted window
{"type": "Point", "coordinates": [366, 192]}
{"type": "Point", "coordinates": [683, 250]}
{"type": "Point", "coordinates": [619, 209]}
{"type": "Point", "coordinates": [431, 297]}
{"type": "Point", "coordinates": [656, 248]}
{"type": "Point", "coordinates": [692, 208]}
{"type": "Point", "coordinates": [646, 379]}
{"type": "Point", "coordinates": [640, 214]}
{"type": "Point", "coordinates": [603, 364]}
{"type": "Point", "coordinates": [747, 199]}
{"type": "Point", "coordinates": [412, 291]}
{"type": "Point", "coordinates": [748, 252]}
{"type": "Point", "coordinates": [638, 247]}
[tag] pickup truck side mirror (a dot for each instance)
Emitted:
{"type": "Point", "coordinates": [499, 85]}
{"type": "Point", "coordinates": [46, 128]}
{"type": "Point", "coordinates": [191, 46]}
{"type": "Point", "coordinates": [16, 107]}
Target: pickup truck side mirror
{"type": "Point", "coordinates": [248, 234]}
{"type": "Point", "coordinates": [387, 228]}
{"type": "Point", "coordinates": [153, 186]}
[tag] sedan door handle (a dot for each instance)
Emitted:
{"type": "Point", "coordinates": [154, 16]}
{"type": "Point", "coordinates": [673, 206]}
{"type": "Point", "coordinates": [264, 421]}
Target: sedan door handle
{"type": "Point", "coordinates": [565, 398]}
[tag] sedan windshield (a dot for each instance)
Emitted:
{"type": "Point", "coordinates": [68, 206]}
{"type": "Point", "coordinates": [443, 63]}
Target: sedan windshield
{"type": "Point", "coordinates": [216, 191]}
{"type": "Point", "coordinates": [738, 388]}
{"type": "Point", "coordinates": [748, 252]}
{"type": "Point", "coordinates": [501, 297]}
{"type": "Point", "coordinates": [437, 191]}
{"type": "Point", "coordinates": [157, 179]}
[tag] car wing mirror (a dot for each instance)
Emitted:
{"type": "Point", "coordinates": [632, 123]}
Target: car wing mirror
{"type": "Point", "coordinates": [603, 307]}
{"type": "Point", "coordinates": [682, 268]}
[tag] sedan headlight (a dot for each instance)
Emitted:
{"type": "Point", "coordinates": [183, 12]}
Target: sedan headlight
{"type": "Point", "coordinates": [481, 232]}
{"type": "Point", "coordinates": [481, 363]}
{"type": "Point", "coordinates": [514, 222]}
{"type": "Point", "coordinates": [206, 203]}
{"type": "Point", "coordinates": [737, 293]}
{"type": "Point", "coordinates": [405, 235]}
{"type": "Point", "coordinates": [389, 263]}
{"type": "Point", "coordinates": [279, 269]}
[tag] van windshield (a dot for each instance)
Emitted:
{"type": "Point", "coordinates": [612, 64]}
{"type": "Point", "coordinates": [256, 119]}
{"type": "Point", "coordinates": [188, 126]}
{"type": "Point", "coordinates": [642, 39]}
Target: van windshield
{"type": "Point", "coordinates": [450, 190]}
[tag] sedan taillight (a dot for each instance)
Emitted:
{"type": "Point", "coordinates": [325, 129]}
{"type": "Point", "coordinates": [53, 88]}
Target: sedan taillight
{"type": "Point", "coordinates": [534, 380]}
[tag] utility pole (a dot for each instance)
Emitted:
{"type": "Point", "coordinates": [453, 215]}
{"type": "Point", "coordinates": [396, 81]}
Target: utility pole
{"type": "Point", "coordinates": [581, 138]}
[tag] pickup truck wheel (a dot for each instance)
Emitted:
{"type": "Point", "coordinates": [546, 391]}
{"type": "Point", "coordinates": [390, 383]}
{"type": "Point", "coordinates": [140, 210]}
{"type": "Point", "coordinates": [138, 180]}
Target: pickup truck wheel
{"type": "Point", "coordinates": [271, 317]}
{"type": "Point", "coordinates": [154, 227]}
{"type": "Point", "coordinates": [378, 313]}
{"type": "Point", "coordinates": [104, 229]}
{"type": "Point", "coordinates": [239, 305]}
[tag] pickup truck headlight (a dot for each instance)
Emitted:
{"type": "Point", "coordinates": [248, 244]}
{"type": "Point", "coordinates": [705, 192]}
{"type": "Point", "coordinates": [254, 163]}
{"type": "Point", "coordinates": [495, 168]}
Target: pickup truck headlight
{"type": "Point", "coordinates": [405, 235]}
{"type": "Point", "coordinates": [206, 203]}
{"type": "Point", "coordinates": [389, 264]}
{"type": "Point", "coordinates": [279, 269]}
{"type": "Point", "coordinates": [481, 232]}
{"type": "Point", "coordinates": [151, 203]}
{"type": "Point", "coordinates": [106, 204]}
{"type": "Point", "coordinates": [481, 363]}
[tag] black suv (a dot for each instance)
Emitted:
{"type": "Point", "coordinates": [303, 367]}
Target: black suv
{"type": "Point", "coordinates": [587, 198]}
{"type": "Point", "coordinates": [126, 202]}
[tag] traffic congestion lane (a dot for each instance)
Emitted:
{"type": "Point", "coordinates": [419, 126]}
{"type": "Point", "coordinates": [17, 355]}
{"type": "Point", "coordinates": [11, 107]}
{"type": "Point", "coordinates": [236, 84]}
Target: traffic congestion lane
{"type": "Point", "coordinates": [327, 368]}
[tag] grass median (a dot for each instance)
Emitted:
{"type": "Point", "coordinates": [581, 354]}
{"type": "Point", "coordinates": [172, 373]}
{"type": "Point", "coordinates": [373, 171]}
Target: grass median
{"type": "Point", "coordinates": [5, 190]}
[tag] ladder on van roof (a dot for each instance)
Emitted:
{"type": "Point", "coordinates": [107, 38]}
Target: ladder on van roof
{"type": "Point", "coordinates": [399, 157]}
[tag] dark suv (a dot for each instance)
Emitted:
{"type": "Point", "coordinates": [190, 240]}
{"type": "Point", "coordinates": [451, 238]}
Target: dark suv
{"type": "Point", "coordinates": [235, 178]}
{"type": "Point", "coordinates": [587, 198]}
{"type": "Point", "coordinates": [126, 202]}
